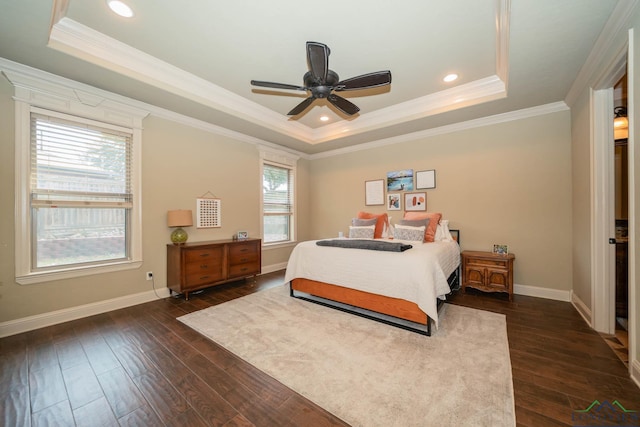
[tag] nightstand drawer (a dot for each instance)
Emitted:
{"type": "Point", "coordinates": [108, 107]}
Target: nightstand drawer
{"type": "Point", "coordinates": [504, 263]}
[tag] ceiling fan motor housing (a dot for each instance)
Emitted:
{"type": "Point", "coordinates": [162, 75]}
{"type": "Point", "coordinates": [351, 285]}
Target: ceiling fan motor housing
{"type": "Point", "coordinates": [318, 89]}
{"type": "Point", "coordinates": [321, 82]}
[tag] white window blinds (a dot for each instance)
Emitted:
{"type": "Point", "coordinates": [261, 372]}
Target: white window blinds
{"type": "Point", "coordinates": [277, 203]}
{"type": "Point", "coordinates": [80, 192]}
{"type": "Point", "coordinates": [79, 164]}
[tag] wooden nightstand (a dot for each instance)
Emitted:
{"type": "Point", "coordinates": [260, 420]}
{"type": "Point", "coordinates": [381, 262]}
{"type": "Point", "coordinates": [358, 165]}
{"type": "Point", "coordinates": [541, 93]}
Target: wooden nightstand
{"type": "Point", "coordinates": [488, 272]}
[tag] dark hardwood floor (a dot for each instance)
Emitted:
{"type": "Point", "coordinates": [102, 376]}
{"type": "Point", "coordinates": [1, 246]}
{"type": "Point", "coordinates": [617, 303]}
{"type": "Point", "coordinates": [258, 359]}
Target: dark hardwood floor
{"type": "Point", "coordinates": [140, 367]}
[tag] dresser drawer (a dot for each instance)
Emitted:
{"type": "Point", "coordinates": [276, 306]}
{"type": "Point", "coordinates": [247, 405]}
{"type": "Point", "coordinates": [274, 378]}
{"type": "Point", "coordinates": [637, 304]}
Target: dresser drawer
{"type": "Point", "coordinates": [243, 258]}
{"type": "Point", "coordinates": [247, 248]}
{"type": "Point", "coordinates": [194, 256]}
{"type": "Point", "coordinates": [203, 266]}
{"type": "Point", "coordinates": [244, 269]}
{"type": "Point", "coordinates": [203, 277]}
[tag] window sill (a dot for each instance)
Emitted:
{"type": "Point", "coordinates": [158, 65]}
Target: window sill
{"type": "Point", "coordinates": [268, 246]}
{"type": "Point", "coordinates": [70, 273]}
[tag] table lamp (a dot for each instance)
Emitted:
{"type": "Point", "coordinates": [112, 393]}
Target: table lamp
{"type": "Point", "coordinates": [179, 219]}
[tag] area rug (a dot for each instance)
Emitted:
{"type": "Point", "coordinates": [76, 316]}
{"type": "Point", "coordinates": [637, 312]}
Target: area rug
{"type": "Point", "coordinates": [368, 373]}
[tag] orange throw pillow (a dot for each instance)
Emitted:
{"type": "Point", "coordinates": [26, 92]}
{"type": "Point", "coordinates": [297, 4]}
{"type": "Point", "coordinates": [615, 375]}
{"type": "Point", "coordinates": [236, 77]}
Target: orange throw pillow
{"type": "Point", "coordinates": [434, 220]}
{"type": "Point", "coordinates": [382, 220]}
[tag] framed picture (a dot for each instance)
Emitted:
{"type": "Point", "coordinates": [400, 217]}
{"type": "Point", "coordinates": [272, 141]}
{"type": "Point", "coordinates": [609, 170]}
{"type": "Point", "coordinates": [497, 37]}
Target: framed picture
{"type": "Point", "coordinates": [415, 201]}
{"type": "Point", "coordinates": [501, 249]}
{"type": "Point", "coordinates": [394, 202]}
{"type": "Point", "coordinates": [400, 180]}
{"type": "Point", "coordinates": [374, 192]}
{"type": "Point", "coordinates": [243, 235]}
{"type": "Point", "coordinates": [425, 179]}
{"type": "Point", "coordinates": [209, 213]}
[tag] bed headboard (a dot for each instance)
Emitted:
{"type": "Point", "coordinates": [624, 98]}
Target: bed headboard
{"type": "Point", "coordinates": [456, 235]}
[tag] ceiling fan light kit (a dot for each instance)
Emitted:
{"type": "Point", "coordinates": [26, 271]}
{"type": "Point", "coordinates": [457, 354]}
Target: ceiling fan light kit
{"type": "Point", "coordinates": [323, 82]}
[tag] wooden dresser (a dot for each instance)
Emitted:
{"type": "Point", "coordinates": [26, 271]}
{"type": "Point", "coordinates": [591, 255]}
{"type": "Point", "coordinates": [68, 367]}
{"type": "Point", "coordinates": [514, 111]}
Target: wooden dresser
{"type": "Point", "coordinates": [488, 272]}
{"type": "Point", "coordinates": [198, 265]}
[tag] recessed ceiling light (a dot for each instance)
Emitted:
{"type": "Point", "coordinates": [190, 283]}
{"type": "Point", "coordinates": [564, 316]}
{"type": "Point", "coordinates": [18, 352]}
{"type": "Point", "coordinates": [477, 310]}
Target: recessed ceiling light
{"type": "Point", "coordinates": [324, 118]}
{"type": "Point", "coordinates": [120, 8]}
{"type": "Point", "coordinates": [450, 77]}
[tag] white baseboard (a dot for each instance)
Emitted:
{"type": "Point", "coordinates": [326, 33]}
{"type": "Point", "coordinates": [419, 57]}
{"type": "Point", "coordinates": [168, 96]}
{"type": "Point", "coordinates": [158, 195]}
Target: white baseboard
{"type": "Point", "coordinates": [274, 267]}
{"type": "Point", "coordinates": [635, 371]}
{"type": "Point", "coordinates": [581, 307]}
{"type": "Point", "coordinates": [535, 291]}
{"type": "Point", "coordinates": [30, 323]}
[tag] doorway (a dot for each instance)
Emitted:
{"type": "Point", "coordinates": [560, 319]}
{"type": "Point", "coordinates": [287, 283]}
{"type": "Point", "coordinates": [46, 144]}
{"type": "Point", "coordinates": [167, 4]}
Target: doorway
{"type": "Point", "coordinates": [619, 340]}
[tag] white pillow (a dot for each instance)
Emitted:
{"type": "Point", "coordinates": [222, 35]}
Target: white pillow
{"type": "Point", "coordinates": [387, 231]}
{"type": "Point", "coordinates": [442, 232]}
{"type": "Point", "coordinates": [406, 232]}
{"type": "Point", "coordinates": [364, 232]}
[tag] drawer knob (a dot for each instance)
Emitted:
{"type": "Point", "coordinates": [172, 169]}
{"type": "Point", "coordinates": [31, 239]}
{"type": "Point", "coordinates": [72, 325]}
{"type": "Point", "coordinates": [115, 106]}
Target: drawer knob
{"type": "Point", "coordinates": [244, 260]}
{"type": "Point", "coordinates": [204, 277]}
{"type": "Point", "coordinates": [205, 254]}
{"type": "Point", "coordinates": [244, 250]}
{"type": "Point", "coordinates": [203, 266]}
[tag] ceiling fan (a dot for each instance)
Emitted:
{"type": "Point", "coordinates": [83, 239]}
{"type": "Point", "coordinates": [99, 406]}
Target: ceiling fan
{"type": "Point", "coordinates": [322, 82]}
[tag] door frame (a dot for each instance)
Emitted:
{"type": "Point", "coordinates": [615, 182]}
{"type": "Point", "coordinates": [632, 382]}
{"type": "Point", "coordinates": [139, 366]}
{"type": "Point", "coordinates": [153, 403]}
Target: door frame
{"type": "Point", "coordinates": [603, 208]}
{"type": "Point", "coordinates": [603, 201]}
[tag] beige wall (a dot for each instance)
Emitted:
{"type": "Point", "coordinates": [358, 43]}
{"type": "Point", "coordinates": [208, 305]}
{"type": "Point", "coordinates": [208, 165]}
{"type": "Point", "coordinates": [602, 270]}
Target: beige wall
{"type": "Point", "coordinates": [179, 164]}
{"type": "Point", "coordinates": [581, 198]}
{"type": "Point", "coordinates": [508, 183]}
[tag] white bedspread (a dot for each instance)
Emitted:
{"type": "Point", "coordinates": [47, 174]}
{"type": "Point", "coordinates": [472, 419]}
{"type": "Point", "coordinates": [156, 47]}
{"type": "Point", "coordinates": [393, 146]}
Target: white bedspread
{"type": "Point", "coordinates": [418, 275]}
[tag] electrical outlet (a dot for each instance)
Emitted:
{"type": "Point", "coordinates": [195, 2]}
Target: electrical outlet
{"type": "Point", "coordinates": [149, 275]}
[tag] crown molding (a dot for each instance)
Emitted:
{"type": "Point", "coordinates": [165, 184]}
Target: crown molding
{"type": "Point", "coordinates": [83, 42]}
{"type": "Point", "coordinates": [76, 39]}
{"type": "Point", "coordinates": [610, 39]}
{"type": "Point", "coordinates": [28, 77]}
{"type": "Point", "coordinates": [456, 127]}
{"type": "Point", "coordinates": [49, 92]}
{"type": "Point", "coordinates": [476, 92]}
{"type": "Point", "coordinates": [64, 89]}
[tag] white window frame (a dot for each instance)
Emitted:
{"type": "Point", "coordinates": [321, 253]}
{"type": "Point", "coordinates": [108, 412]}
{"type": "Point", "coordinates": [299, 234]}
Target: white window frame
{"type": "Point", "coordinates": [289, 161]}
{"type": "Point", "coordinates": [86, 103]}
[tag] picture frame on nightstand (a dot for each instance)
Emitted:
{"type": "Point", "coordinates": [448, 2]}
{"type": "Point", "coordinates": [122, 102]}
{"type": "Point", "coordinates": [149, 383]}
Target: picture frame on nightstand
{"type": "Point", "coordinates": [501, 249]}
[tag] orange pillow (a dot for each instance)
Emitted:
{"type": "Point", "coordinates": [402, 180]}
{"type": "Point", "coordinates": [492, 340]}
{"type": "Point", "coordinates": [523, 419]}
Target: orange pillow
{"type": "Point", "coordinates": [382, 220]}
{"type": "Point", "coordinates": [434, 220]}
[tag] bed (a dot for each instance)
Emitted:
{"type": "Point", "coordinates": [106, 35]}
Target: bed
{"type": "Point", "coordinates": [401, 288]}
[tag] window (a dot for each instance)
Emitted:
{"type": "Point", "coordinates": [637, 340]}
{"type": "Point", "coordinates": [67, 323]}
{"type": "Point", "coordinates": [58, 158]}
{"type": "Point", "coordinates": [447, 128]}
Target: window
{"type": "Point", "coordinates": [77, 179]}
{"type": "Point", "coordinates": [277, 203]}
{"type": "Point", "coordinates": [80, 192]}
{"type": "Point", "coordinates": [77, 188]}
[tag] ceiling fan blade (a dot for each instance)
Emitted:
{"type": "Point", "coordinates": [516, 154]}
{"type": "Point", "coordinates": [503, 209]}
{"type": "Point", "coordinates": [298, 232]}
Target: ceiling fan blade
{"type": "Point", "coordinates": [343, 105]}
{"type": "Point", "coordinates": [318, 57]}
{"type": "Point", "coordinates": [365, 81]}
{"type": "Point", "coordinates": [301, 107]}
{"type": "Point", "coordinates": [277, 85]}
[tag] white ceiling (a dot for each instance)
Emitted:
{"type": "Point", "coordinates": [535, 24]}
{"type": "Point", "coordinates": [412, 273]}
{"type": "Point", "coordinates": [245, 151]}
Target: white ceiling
{"type": "Point", "coordinates": [197, 58]}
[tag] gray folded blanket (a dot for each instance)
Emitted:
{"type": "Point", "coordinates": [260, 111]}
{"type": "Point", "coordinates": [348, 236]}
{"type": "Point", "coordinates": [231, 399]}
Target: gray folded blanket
{"type": "Point", "coordinates": [373, 245]}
